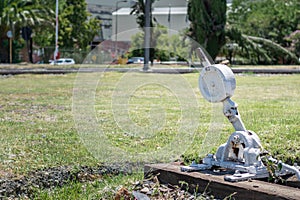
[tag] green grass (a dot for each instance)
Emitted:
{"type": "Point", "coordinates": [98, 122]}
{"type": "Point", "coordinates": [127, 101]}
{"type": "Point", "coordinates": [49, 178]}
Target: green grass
{"type": "Point", "coordinates": [38, 129]}
{"type": "Point", "coordinates": [104, 188]}
{"type": "Point", "coordinates": [271, 108]}
{"type": "Point", "coordinates": [48, 66]}
{"type": "Point", "coordinates": [267, 66]}
{"type": "Point", "coordinates": [79, 65]}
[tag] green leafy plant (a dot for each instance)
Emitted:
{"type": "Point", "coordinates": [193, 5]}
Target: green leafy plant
{"type": "Point", "coordinates": [273, 169]}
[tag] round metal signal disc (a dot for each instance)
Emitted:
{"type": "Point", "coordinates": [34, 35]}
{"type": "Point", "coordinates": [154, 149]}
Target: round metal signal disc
{"type": "Point", "coordinates": [9, 34]}
{"type": "Point", "coordinates": [216, 83]}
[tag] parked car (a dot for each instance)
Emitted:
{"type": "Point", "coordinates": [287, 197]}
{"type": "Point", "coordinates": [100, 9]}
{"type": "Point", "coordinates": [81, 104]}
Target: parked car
{"type": "Point", "coordinates": [135, 60]}
{"type": "Point", "coordinates": [63, 61]}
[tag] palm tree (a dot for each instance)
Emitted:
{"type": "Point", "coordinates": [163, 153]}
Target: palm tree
{"type": "Point", "coordinates": [259, 50]}
{"type": "Point", "coordinates": [15, 14]}
{"type": "Point", "coordinates": [138, 9]}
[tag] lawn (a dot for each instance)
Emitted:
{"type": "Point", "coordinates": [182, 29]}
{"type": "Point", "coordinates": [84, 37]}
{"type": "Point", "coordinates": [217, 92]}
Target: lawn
{"type": "Point", "coordinates": [76, 66]}
{"type": "Point", "coordinates": [55, 120]}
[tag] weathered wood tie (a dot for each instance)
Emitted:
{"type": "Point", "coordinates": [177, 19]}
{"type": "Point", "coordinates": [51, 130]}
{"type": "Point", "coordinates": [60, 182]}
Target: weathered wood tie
{"type": "Point", "coordinates": [216, 186]}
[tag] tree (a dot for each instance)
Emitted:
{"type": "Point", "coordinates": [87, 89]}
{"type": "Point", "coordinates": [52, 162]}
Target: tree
{"type": "Point", "coordinates": [19, 13]}
{"type": "Point", "coordinates": [266, 18]}
{"type": "Point", "coordinates": [138, 9]}
{"type": "Point", "coordinates": [76, 30]}
{"type": "Point", "coordinates": [137, 44]}
{"type": "Point", "coordinates": [256, 50]}
{"type": "Point", "coordinates": [167, 46]}
{"type": "Point", "coordinates": [175, 46]}
{"type": "Point", "coordinates": [15, 14]}
{"type": "Point", "coordinates": [294, 40]}
{"type": "Point", "coordinates": [263, 27]}
{"type": "Point", "coordinates": [207, 27]}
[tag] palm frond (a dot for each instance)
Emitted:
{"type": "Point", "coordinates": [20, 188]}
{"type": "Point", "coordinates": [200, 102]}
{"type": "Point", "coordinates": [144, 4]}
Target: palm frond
{"type": "Point", "coordinates": [258, 49]}
{"type": "Point", "coordinates": [273, 45]}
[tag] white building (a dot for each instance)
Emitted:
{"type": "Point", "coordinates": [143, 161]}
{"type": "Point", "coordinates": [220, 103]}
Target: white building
{"type": "Point", "coordinates": [108, 11]}
{"type": "Point", "coordinates": [116, 18]}
{"type": "Point", "coordinates": [169, 13]}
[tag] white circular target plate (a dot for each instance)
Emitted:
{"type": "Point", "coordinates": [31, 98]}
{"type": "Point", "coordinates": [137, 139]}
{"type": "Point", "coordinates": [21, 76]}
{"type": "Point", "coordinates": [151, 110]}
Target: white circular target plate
{"type": "Point", "coordinates": [216, 83]}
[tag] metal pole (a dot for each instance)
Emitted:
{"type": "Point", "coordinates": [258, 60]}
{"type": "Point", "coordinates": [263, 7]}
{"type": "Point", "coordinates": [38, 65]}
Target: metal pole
{"type": "Point", "coordinates": [116, 28]}
{"type": "Point", "coordinates": [147, 35]}
{"type": "Point", "coordinates": [10, 50]}
{"type": "Point", "coordinates": [56, 32]}
{"type": "Point", "coordinates": [169, 21]}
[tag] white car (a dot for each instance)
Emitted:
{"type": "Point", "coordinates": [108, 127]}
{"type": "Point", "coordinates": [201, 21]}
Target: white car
{"type": "Point", "coordinates": [63, 61]}
{"type": "Point", "coordinates": [135, 60]}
